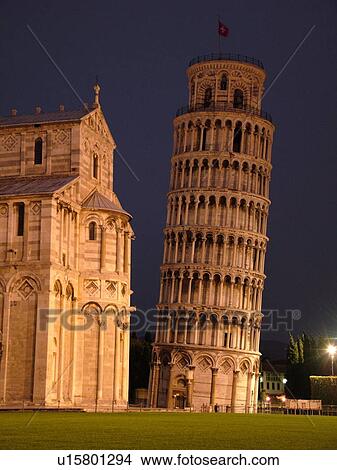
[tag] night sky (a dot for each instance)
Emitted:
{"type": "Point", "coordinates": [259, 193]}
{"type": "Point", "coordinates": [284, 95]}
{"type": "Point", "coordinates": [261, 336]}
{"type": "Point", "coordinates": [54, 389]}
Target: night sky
{"type": "Point", "coordinates": [140, 51]}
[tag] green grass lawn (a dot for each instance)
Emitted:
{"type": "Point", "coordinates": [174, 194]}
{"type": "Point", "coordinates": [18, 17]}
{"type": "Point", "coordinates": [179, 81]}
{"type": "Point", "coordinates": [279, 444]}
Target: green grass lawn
{"type": "Point", "coordinates": [57, 430]}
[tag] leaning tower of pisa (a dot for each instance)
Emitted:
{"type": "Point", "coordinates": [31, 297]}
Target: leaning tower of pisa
{"type": "Point", "coordinates": [206, 349]}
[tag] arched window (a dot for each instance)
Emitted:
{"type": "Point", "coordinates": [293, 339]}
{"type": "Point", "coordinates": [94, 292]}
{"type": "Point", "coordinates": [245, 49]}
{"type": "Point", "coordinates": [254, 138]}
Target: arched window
{"type": "Point", "coordinates": [21, 219]}
{"type": "Point", "coordinates": [92, 231]}
{"type": "Point", "coordinates": [95, 166]}
{"type": "Point", "coordinates": [38, 151]}
{"type": "Point", "coordinates": [238, 98]}
{"type": "Point", "coordinates": [237, 137]}
{"type": "Point", "coordinates": [223, 82]}
{"type": "Point", "coordinates": [208, 97]}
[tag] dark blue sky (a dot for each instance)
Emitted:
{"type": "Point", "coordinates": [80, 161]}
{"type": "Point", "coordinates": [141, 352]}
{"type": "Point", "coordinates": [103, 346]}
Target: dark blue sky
{"type": "Point", "coordinates": [140, 51]}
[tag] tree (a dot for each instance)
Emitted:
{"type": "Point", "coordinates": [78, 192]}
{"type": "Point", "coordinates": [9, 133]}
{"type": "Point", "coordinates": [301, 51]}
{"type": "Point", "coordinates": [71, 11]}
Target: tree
{"type": "Point", "coordinates": [304, 358]}
{"type": "Point", "coordinates": [139, 365]}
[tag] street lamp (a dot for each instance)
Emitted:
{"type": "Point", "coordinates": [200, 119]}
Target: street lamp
{"type": "Point", "coordinates": [332, 351]}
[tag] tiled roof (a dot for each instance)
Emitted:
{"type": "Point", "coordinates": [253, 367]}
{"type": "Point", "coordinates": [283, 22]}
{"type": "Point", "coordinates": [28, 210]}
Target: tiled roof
{"type": "Point", "coordinates": [58, 116]}
{"type": "Point", "coordinates": [97, 201]}
{"type": "Point", "coordinates": [15, 186]}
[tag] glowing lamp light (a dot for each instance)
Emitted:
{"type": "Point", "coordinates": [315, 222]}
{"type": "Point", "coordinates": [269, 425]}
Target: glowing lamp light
{"type": "Point", "coordinates": [284, 381]}
{"type": "Point", "coordinates": [332, 349]}
{"type": "Point", "coordinates": [267, 398]}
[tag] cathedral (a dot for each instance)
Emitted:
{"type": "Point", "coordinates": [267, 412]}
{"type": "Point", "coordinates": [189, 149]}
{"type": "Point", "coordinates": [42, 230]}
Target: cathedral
{"type": "Point", "coordinates": [206, 351]}
{"type": "Point", "coordinates": [65, 252]}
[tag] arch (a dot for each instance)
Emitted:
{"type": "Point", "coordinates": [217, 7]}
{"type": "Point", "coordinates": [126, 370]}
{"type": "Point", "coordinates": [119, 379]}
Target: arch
{"type": "Point", "coordinates": [16, 278]}
{"type": "Point", "coordinates": [197, 138]}
{"type": "Point", "coordinates": [245, 365]}
{"type": "Point", "coordinates": [181, 355]}
{"type": "Point", "coordinates": [111, 308]}
{"type": "Point", "coordinates": [202, 325]}
{"type": "Point", "coordinates": [87, 218]}
{"type": "Point", "coordinates": [206, 138]}
{"type": "Point", "coordinates": [237, 137]}
{"type": "Point", "coordinates": [223, 82]}
{"type": "Point", "coordinates": [70, 292]}
{"type": "Point", "coordinates": [38, 147]}
{"type": "Point", "coordinates": [165, 357]}
{"type": "Point", "coordinates": [190, 327]}
{"type": "Point", "coordinates": [214, 329]}
{"type": "Point", "coordinates": [92, 229]}
{"type": "Point", "coordinates": [224, 359]}
{"type": "Point", "coordinates": [228, 132]}
{"type": "Point", "coordinates": [217, 134]}
{"type": "Point", "coordinates": [246, 140]}
{"type": "Point", "coordinates": [91, 308]}
{"type": "Point", "coordinates": [199, 357]}
{"type": "Point", "coordinates": [208, 97]}
{"type": "Point", "coordinates": [57, 288]}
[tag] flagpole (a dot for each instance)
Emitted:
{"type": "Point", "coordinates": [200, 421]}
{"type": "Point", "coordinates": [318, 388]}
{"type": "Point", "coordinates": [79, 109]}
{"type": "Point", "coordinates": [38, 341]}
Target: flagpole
{"type": "Point", "coordinates": [219, 44]}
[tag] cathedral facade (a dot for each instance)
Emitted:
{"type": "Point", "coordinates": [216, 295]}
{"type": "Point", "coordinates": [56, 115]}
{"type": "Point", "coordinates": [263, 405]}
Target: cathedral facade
{"type": "Point", "coordinates": [206, 350]}
{"type": "Point", "coordinates": [65, 257]}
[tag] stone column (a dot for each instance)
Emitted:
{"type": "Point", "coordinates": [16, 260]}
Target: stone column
{"type": "Point", "coordinates": [100, 361]}
{"type": "Point", "coordinates": [126, 253]}
{"type": "Point", "coordinates": [192, 249]}
{"type": "Point", "coordinates": [74, 323]}
{"type": "Point", "coordinates": [60, 356]}
{"type": "Point", "coordinates": [176, 325]}
{"type": "Point", "coordinates": [10, 230]}
{"type": "Point", "coordinates": [203, 247]}
{"type": "Point", "coordinates": [103, 247]}
{"type": "Point", "coordinates": [229, 328]}
{"type": "Point", "coordinates": [234, 387]}
{"type": "Point", "coordinates": [189, 399]}
{"type": "Point", "coordinates": [77, 240]}
{"type": "Point", "coordinates": [116, 383]}
{"type": "Point", "coordinates": [61, 234]}
{"type": "Point", "coordinates": [249, 392]}
{"type": "Point", "coordinates": [199, 174]}
{"type": "Point", "coordinates": [176, 250]}
{"type": "Point", "coordinates": [125, 366]}
{"type": "Point", "coordinates": [25, 253]}
{"type": "Point", "coordinates": [220, 334]}
{"type": "Point", "coordinates": [161, 289]}
{"type": "Point", "coordinates": [178, 213]}
{"type": "Point", "coordinates": [180, 286]}
{"type": "Point", "coordinates": [69, 236]}
{"type": "Point", "coordinates": [119, 251]}
{"type": "Point", "coordinates": [156, 370]}
{"type": "Point", "coordinates": [189, 289]}
{"type": "Point", "coordinates": [5, 345]}
{"type": "Point", "coordinates": [213, 386]}
{"type": "Point", "coordinates": [170, 388]}
{"type": "Point", "coordinates": [256, 391]}
{"type": "Point", "coordinates": [183, 166]}
{"type": "Point", "coordinates": [196, 323]}
{"type": "Point", "coordinates": [173, 279]}
{"type": "Point", "coordinates": [168, 328]}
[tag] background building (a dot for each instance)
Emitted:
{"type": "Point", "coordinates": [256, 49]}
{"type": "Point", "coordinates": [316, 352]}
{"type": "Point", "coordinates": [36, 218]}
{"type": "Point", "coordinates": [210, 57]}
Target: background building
{"type": "Point", "coordinates": [273, 381]}
{"type": "Point", "coordinates": [64, 262]}
{"type": "Point", "coordinates": [206, 350]}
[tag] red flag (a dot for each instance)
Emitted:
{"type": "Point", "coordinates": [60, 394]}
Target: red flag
{"type": "Point", "coordinates": [223, 30]}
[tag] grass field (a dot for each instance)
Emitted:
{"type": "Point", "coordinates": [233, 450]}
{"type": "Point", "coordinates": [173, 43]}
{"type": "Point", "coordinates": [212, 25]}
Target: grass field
{"type": "Point", "coordinates": [57, 430]}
